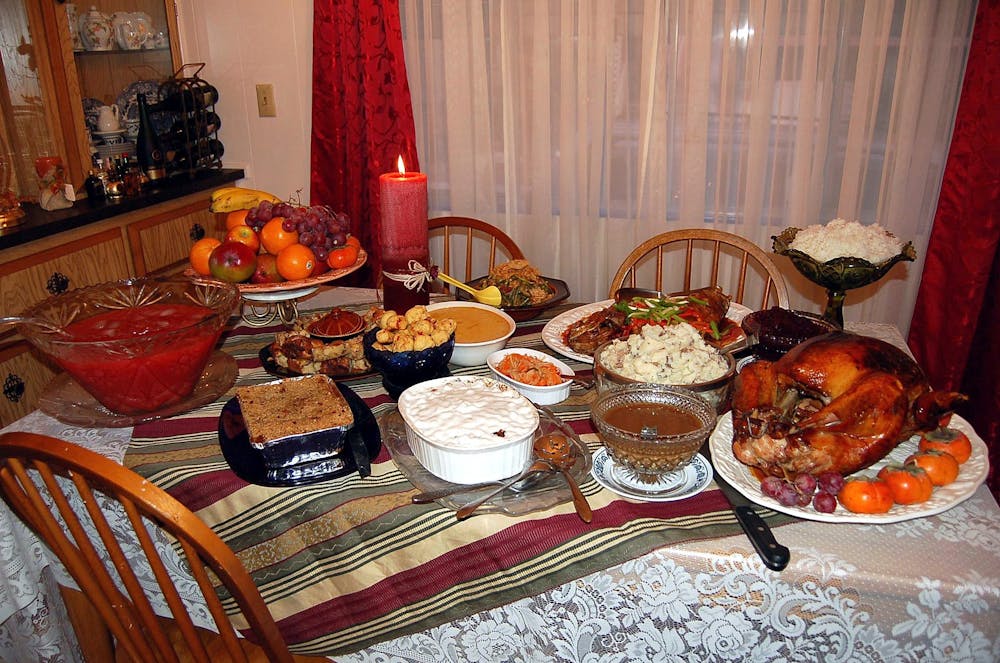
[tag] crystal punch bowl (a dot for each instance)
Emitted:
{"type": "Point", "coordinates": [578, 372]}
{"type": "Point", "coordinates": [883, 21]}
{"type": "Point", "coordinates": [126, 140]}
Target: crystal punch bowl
{"type": "Point", "coordinates": [136, 345]}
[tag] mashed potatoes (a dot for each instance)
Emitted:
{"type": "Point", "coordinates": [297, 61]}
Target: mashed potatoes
{"type": "Point", "coordinates": [675, 355]}
{"type": "Point", "coordinates": [840, 238]}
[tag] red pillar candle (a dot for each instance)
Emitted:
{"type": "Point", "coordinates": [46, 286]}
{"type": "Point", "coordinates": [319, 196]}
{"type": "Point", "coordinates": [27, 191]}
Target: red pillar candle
{"type": "Point", "coordinates": [405, 255]}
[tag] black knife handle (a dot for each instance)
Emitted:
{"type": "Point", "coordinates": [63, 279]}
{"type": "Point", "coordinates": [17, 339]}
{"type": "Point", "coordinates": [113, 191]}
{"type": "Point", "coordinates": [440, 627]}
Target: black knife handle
{"type": "Point", "coordinates": [774, 554]}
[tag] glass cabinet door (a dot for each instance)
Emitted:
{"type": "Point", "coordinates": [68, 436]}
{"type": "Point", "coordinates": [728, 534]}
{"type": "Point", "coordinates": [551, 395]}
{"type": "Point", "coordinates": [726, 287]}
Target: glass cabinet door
{"type": "Point", "coordinates": [63, 64]}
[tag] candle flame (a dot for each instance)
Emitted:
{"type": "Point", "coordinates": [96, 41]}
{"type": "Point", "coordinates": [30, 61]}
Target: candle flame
{"type": "Point", "coordinates": [400, 166]}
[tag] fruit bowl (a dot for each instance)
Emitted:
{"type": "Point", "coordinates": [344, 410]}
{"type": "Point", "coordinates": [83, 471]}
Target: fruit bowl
{"type": "Point", "coordinates": [137, 345]}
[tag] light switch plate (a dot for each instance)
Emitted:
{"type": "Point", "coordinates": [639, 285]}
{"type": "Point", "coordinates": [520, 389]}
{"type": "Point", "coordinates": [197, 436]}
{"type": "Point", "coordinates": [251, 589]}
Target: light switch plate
{"type": "Point", "coordinates": [265, 100]}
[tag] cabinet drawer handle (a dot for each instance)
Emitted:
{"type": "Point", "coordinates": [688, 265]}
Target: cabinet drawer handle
{"type": "Point", "coordinates": [13, 388]}
{"type": "Point", "coordinates": [57, 284]}
{"type": "Point", "coordinates": [196, 232]}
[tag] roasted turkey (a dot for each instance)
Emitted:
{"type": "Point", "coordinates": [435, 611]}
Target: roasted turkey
{"type": "Point", "coordinates": [837, 402]}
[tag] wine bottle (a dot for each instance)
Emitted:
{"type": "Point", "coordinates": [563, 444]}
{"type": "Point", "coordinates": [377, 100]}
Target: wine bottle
{"type": "Point", "coordinates": [187, 99]}
{"type": "Point", "coordinates": [148, 150]}
{"type": "Point", "coordinates": [202, 153]}
{"type": "Point", "coordinates": [186, 130]}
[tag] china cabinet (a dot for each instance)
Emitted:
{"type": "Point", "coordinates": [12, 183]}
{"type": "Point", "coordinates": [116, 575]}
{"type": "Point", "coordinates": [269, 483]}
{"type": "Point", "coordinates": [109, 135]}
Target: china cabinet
{"type": "Point", "coordinates": [52, 81]}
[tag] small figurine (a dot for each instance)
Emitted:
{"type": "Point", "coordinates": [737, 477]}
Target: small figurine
{"type": "Point", "coordinates": [52, 186]}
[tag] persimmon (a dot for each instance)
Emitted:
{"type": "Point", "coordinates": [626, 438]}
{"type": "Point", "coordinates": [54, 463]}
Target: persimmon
{"type": "Point", "coordinates": [949, 440]}
{"type": "Point", "coordinates": [909, 484]}
{"type": "Point", "coordinates": [343, 256]}
{"type": "Point", "coordinates": [865, 495]}
{"type": "Point", "coordinates": [353, 240]}
{"type": "Point", "coordinates": [200, 252]}
{"type": "Point", "coordinates": [941, 467]}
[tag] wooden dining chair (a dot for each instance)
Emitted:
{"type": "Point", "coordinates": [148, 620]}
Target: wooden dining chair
{"type": "Point", "coordinates": [469, 247]}
{"type": "Point", "coordinates": [727, 260]}
{"type": "Point", "coordinates": [42, 478]}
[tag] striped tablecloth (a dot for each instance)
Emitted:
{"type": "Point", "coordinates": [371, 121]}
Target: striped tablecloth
{"type": "Point", "coordinates": [349, 562]}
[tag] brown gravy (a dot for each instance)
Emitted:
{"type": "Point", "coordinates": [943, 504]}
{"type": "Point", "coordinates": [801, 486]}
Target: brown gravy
{"type": "Point", "coordinates": [473, 325]}
{"type": "Point", "coordinates": [666, 419]}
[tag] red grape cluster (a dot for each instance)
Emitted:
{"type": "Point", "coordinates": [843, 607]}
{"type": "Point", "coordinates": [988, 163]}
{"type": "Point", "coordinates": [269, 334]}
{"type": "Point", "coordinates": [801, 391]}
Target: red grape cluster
{"type": "Point", "coordinates": [821, 490]}
{"type": "Point", "coordinates": [319, 227]}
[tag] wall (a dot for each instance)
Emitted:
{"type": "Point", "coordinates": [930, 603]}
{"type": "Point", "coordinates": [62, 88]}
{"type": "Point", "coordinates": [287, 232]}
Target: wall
{"type": "Point", "coordinates": [242, 43]}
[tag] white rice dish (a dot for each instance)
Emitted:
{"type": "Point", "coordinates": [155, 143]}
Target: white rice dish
{"type": "Point", "coordinates": [675, 355]}
{"type": "Point", "coordinates": [847, 239]}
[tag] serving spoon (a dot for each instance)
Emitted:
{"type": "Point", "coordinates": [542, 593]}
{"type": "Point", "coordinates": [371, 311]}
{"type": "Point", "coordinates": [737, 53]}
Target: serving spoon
{"type": "Point", "coordinates": [489, 296]}
{"type": "Point", "coordinates": [557, 451]}
{"type": "Point", "coordinates": [539, 465]}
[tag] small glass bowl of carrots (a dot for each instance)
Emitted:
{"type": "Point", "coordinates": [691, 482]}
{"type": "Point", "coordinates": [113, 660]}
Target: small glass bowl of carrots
{"type": "Point", "coordinates": [537, 376]}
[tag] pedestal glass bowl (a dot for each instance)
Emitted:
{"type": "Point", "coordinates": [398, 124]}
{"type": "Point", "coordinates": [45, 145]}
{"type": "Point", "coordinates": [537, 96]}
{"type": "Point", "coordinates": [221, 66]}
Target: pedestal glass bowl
{"type": "Point", "coordinates": [649, 455]}
{"type": "Point", "coordinates": [838, 275]}
{"type": "Point", "coordinates": [137, 345]}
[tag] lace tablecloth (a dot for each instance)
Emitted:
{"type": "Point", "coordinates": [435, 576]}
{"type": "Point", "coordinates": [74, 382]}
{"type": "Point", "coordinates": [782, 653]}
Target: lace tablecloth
{"type": "Point", "coordinates": [926, 589]}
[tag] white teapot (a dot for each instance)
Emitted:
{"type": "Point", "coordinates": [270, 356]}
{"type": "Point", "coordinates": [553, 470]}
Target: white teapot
{"type": "Point", "coordinates": [108, 118]}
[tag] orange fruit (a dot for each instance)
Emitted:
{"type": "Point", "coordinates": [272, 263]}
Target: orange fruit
{"type": "Point", "coordinates": [244, 235]}
{"type": "Point", "coordinates": [236, 218]}
{"type": "Point", "coordinates": [296, 262]}
{"type": "Point", "coordinates": [353, 240]}
{"type": "Point", "coordinates": [274, 238]}
{"type": "Point", "coordinates": [200, 252]}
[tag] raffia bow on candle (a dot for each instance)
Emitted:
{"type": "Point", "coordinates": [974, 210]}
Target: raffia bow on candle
{"type": "Point", "coordinates": [416, 278]}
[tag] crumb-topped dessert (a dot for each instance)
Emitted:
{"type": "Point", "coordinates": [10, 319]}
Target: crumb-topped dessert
{"type": "Point", "coordinates": [276, 410]}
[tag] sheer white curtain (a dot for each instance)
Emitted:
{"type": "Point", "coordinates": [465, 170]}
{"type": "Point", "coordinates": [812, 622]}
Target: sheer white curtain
{"type": "Point", "coordinates": [583, 127]}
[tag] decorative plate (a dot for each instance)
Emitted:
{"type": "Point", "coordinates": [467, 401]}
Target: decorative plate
{"type": "Point", "coordinates": [129, 107]}
{"type": "Point", "coordinates": [248, 463]}
{"type": "Point", "coordinates": [91, 109]}
{"type": "Point", "coordinates": [973, 473]}
{"type": "Point", "coordinates": [552, 332]}
{"type": "Point", "coordinates": [270, 292]}
{"type": "Point", "coordinates": [686, 482]}
{"type": "Point", "coordinates": [560, 291]}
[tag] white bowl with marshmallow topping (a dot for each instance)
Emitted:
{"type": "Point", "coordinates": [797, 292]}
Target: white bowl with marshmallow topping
{"type": "Point", "coordinates": [469, 429]}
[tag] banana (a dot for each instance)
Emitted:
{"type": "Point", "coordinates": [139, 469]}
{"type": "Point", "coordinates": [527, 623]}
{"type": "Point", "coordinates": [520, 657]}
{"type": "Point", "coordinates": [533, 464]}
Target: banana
{"type": "Point", "coordinates": [230, 198]}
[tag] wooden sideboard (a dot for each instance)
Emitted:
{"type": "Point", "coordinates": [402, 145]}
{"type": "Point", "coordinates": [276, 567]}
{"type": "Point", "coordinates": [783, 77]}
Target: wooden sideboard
{"type": "Point", "coordinates": [151, 240]}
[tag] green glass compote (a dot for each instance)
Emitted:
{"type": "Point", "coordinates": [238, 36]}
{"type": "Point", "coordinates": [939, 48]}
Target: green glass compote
{"type": "Point", "coordinates": [838, 275]}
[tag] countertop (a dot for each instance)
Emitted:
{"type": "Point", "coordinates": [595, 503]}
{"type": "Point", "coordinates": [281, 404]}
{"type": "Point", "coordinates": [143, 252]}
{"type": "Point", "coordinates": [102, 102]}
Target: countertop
{"type": "Point", "coordinates": [40, 223]}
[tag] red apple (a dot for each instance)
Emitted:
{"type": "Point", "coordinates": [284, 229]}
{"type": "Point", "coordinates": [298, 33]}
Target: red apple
{"type": "Point", "coordinates": [232, 261]}
{"type": "Point", "coordinates": [267, 270]}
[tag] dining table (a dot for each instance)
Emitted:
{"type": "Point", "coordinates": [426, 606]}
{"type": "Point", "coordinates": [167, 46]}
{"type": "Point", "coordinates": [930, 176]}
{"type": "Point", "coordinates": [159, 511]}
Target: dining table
{"type": "Point", "coordinates": [352, 569]}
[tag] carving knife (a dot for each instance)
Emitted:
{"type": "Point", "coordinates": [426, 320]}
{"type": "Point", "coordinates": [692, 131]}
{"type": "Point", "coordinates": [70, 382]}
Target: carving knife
{"type": "Point", "coordinates": [774, 555]}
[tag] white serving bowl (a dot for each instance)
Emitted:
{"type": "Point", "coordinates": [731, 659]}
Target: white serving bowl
{"type": "Point", "coordinates": [475, 354]}
{"type": "Point", "coordinates": [469, 429]}
{"type": "Point", "coordinates": [548, 395]}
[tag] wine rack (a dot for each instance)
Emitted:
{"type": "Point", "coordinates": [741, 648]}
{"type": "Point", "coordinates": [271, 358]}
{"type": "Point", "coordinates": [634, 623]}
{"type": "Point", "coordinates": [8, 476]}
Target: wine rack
{"type": "Point", "coordinates": [192, 143]}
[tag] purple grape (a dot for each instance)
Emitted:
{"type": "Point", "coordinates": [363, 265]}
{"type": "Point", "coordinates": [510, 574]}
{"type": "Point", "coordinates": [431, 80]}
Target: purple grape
{"type": "Point", "coordinates": [788, 496]}
{"type": "Point", "coordinates": [806, 484]}
{"type": "Point", "coordinates": [339, 238]}
{"type": "Point", "coordinates": [288, 225]}
{"type": "Point", "coordinates": [824, 502]}
{"type": "Point", "coordinates": [283, 209]}
{"type": "Point", "coordinates": [306, 238]}
{"type": "Point", "coordinates": [830, 482]}
{"type": "Point", "coordinates": [801, 499]}
{"type": "Point", "coordinates": [265, 209]}
{"type": "Point", "coordinates": [321, 253]}
{"type": "Point", "coordinates": [771, 486]}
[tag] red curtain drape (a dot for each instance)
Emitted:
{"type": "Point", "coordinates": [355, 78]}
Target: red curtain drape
{"type": "Point", "coordinates": [362, 120]}
{"type": "Point", "coordinates": [955, 332]}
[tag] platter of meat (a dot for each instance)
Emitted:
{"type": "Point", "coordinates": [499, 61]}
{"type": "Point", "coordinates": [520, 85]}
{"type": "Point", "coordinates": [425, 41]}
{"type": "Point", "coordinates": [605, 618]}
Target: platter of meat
{"type": "Point", "coordinates": [578, 332]}
{"type": "Point", "coordinates": [972, 474]}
